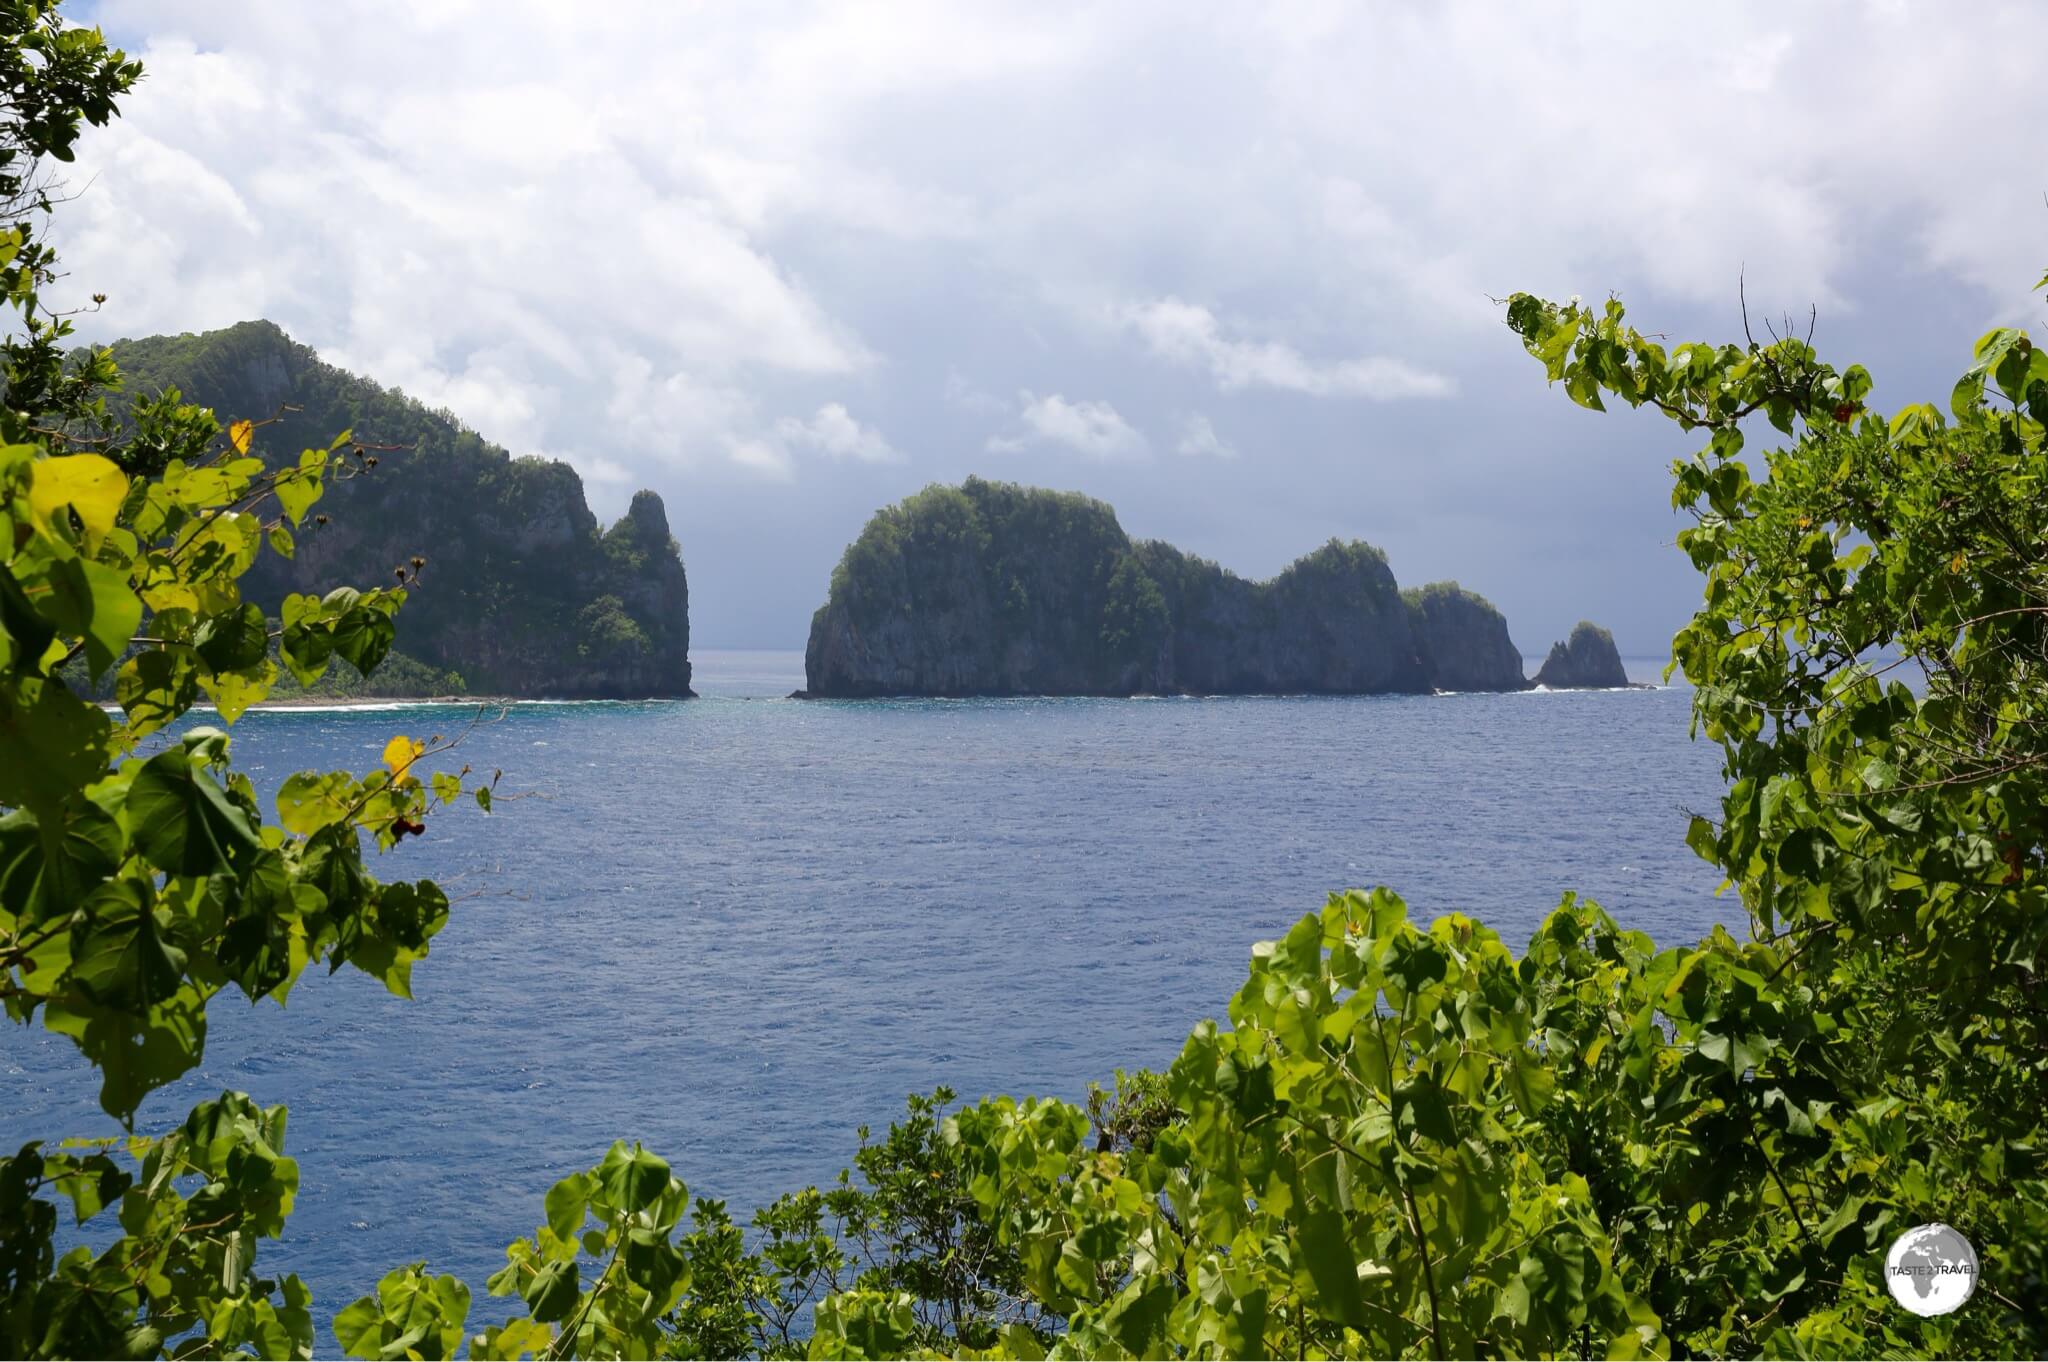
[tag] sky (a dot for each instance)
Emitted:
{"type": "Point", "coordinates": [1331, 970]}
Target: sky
{"type": "Point", "coordinates": [1230, 268]}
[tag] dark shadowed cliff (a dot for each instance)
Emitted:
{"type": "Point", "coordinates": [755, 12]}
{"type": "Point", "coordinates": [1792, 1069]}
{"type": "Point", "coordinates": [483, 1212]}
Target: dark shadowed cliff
{"type": "Point", "coordinates": [523, 592]}
{"type": "Point", "coordinates": [1588, 660]}
{"type": "Point", "coordinates": [1464, 639]}
{"type": "Point", "coordinates": [994, 589]}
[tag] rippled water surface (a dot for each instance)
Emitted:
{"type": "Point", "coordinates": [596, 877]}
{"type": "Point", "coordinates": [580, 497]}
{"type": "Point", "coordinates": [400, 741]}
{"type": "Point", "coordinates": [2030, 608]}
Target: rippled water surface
{"type": "Point", "coordinates": [739, 927]}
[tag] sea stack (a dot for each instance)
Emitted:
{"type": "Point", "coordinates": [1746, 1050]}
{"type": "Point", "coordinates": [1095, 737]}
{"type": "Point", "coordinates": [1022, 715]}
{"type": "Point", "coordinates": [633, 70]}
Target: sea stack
{"type": "Point", "coordinates": [1587, 660]}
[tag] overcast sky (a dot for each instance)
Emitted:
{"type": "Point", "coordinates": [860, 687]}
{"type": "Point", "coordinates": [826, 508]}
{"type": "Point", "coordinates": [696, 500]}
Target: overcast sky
{"type": "Point", "coordinates": [1226, 267]}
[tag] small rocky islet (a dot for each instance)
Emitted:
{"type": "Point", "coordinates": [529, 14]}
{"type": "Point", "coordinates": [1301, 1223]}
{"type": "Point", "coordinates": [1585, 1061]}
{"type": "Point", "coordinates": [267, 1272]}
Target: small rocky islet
{"type": "Point", "coordinates": [1587, 660]}
{"type": "Point", "coordinates": [993, 589]}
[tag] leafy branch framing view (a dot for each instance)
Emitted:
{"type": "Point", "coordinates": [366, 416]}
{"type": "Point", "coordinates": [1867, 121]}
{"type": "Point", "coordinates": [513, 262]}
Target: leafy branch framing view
{"type": "Point", "coordinates": [1407, 1140]}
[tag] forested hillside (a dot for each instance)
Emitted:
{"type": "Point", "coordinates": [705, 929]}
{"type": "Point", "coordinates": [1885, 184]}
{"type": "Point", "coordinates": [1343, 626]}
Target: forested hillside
{"type": "Point", "coordinates": [990, 588]}
{"type": "Point", "coordinates": [522, 592]}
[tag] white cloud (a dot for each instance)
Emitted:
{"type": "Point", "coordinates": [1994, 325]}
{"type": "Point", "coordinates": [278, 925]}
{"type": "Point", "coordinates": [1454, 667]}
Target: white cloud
{"type": "Point", "coordinates": [963, 393]}
{"type": "Point", "coordinates": [835, 433]}
{"type": "Point", "coordinates": [641, 236]}
{"type": "Point", "coordinates": [1199, 437]}
{"type": "Point", "coordinates": [1091, 427]}
{"type": "Point", "coordinates": [1187, 333]}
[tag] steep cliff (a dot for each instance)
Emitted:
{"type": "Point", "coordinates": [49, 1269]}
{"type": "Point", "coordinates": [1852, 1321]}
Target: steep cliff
{"type": "Point", "coordinates": [1588, 660]}
{"type": "Point", "coordinates": [1464, 640]}
{"type": "Point", "coordinates": [994, 589]}
{"type": "Point", "coordinates": [523, 592]}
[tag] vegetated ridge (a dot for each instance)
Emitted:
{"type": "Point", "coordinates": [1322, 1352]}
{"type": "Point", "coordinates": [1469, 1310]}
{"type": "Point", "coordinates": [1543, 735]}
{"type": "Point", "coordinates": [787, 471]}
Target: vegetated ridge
{"type": "Point", "coordinates": [989, 588]}
{"type": "Point", "coordinates": [523, 593]}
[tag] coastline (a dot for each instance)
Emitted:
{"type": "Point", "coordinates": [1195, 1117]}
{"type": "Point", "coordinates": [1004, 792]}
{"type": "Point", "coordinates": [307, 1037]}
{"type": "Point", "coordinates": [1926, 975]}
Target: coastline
{"type": "Point", "coordinates": [374, 702]}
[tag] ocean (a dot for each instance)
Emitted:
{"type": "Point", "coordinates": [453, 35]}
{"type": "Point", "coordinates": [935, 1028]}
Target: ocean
{"type": "Point", "coordinates": [738, 928]}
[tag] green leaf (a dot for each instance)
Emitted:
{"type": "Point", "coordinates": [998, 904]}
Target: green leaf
{"type": "Point", "coordinates": [363, 637]}
{"type": "Point", "coordinates": [553, 1291]}
{"type": "Point", "coordinates": [93, 600]}
{"type": "Point", "coordinates": [51, 743]}
{"type": "Point", "coordinates": [89, 486]}
{"type": "Point", "coordinates": [1332, 1267]}
{"type": "Point", "coordinates": [134, 1054]}
{"type": "Point", "coordinates": [233, 692]}
{"type": "Point", "coordinates": [41, 877]}
{"type": "Point", "coordinates": [1968, 394]}
{"type": "Point", "coordinates": [299, 488]}
{"type": "Point", "coordinates": [1420, 1105]}
{"type": "Point", "coordinates": [155, 687]}
{"type": "Point", "coordinates": [311, 800]}
{"type": "Point", "coordinates": [566, 1203]}
{"type": "Point", "coordinates": [635, 1180]}
{"type": "Point", "coordinates": [308, 640]}
{"type": "Point", "coordinates": [1530, 1083]}
{"type": "Point", "coordinates": [29, 635]}
{"type": "Point", "coordinates": [183, 822]}
{"type": "Point", "coordinates": [358, 1329]}
{"type": "Point", "coordinates": [234, 639]}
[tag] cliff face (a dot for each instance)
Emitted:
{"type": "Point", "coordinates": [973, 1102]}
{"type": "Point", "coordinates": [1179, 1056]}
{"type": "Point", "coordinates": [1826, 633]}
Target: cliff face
{"type": "Point", "coordinates": [993, 589]}
{"type": "Point", "coordinates": [523, 592]}
{"type": "Point", "coordinates": [1588, 660]}
{"type": "Point", "coordinates": [1464, 640]}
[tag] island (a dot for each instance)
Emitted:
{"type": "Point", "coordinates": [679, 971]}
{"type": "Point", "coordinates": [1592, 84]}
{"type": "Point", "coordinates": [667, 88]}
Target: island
{"type": "Point", "coordinates": [1588, 660]}
{"type": "Point", "coordinates": [990, 588]}
{"type": "Point", "coordinates": [522, 592]}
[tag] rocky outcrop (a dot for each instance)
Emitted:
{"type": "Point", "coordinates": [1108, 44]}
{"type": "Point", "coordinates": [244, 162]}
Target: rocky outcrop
{"type": "Point", "coordinates": [523, 592]}
{"type": "Point", "coordinates": [1463, 640]}
{"type": "Point", "coordinates": [1588, 660]}
{"type": "Point", "coordinates": [994, 589]}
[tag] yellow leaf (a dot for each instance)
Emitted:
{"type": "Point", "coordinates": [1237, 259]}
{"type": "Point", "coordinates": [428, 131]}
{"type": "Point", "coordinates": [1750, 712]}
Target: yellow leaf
{"type": "Point", "coordinates": [1957, 563]}
{"type": "Point", "coordinates": [240, 433]}
{"type": "Point", "coordinates": [88, 483]}
{"type": "Point", "coordinates": [233, 692]}
{"type": "Point", "coordinates": [401, 752]}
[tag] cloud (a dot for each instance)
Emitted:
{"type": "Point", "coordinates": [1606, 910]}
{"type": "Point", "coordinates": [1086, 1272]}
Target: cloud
{"type": "Point", "coordinates": [1189, 334]}
{"type": "Point", "coordinates": [1198, 437]}
{"type": "Point", "coordinates": [835, 433]}
{"type": "Point", "coordinates": [962, 393]}
{"type": "Point", "coordinates": [1091, 427]}
{"type": "Point", "coordinates": [641, 236]}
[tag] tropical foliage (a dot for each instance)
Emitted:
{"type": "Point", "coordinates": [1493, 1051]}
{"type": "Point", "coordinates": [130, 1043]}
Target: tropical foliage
{"type": "Point", "coordinates": [136, 885]}
{"type": "Point", "coordinates": [1406, 1140]}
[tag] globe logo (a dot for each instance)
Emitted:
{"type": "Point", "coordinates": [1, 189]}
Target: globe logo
{"type": "Point", "coordinates": [1931, 1269]}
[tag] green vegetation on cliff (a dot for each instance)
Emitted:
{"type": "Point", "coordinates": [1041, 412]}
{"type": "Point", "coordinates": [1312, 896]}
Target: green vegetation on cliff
{"type": "Point", "coordinates": [989, 588]}
{"type": "Point", "coordinates": [522, 591]}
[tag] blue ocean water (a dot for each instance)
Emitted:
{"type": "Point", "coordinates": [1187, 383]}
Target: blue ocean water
{"type": "Point", "coordinates": [737, 928]}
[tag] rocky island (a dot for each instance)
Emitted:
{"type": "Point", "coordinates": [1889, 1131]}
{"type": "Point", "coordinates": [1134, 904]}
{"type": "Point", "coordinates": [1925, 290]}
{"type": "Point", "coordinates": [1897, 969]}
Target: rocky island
{"type": "Point", "coordinates": [1588, 660]}
{"type": "Point", "coordinates": [990, 588]}
{"type": "Point", "coordinates": [523, 592]}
